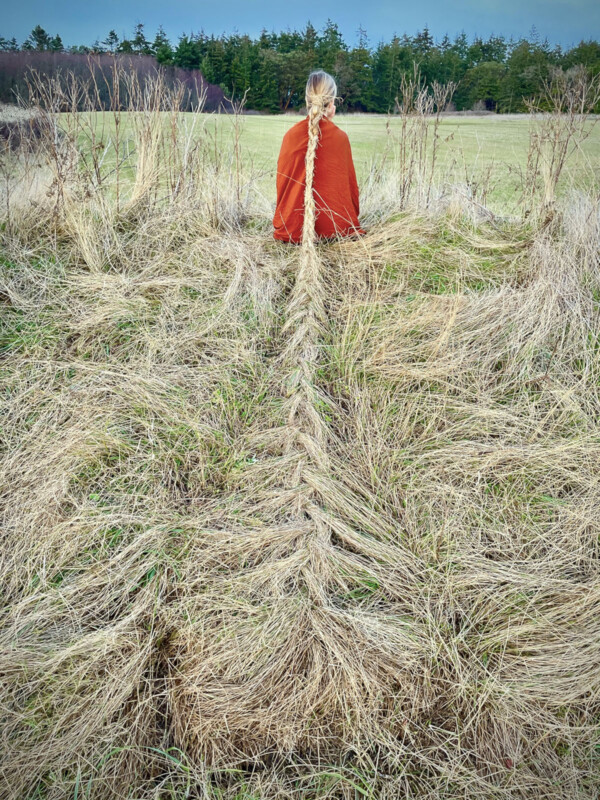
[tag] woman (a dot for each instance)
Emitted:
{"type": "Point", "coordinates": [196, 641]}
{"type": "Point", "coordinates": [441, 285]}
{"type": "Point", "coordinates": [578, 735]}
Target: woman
{"type": "Point", "coordinates": [317, 189]}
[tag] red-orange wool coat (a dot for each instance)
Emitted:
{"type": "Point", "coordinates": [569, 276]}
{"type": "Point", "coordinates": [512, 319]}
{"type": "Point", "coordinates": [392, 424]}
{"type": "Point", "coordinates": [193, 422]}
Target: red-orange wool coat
{"type": "Point", "coordinates": [334, 184]}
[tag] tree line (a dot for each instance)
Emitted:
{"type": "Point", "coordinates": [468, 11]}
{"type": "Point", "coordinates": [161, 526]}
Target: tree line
{"type": "Point", "coordinates": [270, 71]}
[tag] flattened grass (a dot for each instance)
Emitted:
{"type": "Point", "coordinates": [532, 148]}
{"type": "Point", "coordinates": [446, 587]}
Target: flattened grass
{"type": "Point", "coordinates": [374, 575]}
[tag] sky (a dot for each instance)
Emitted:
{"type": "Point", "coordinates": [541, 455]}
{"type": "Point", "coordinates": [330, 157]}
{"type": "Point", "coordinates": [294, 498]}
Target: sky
{"type": "Point", "coordinates": [564, 22]}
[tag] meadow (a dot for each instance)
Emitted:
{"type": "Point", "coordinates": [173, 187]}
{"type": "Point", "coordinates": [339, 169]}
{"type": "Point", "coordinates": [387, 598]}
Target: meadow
{"type": "Point", "coordinates": [490, 150]}
{"type": "Point", "coordinates": [486, 156]}
{"type": "Point", "coordinates": [278, 525]}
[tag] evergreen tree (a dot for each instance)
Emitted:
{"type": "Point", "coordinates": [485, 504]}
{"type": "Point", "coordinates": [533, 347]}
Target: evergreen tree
{"type": "Point", "coordinates": [165, 54]}
{"type": "Point", "coordinates": [586, 53]}
{"type": "Point", "coordinates": [126, 46]}
{"type": "Point", "coordinates": [9, 45]}
{"type": "Point", "coordinates": [140, 44]}
{"type": "Point", "coordinates": [241, 56]}
{"type": "Point", "coordinates": [445, 44]}
{"type": "Point", "coordinates": [274, 66]}
{"type": "Point", "coordinates": [187, 56]}
{"type": "Point", "coordinates": [556, 54]}
{"type": "Point", "coordinates": [56, 44]}
{"type": "Point", "coordinates": [308, 46]}
{"type": "Point", "coordinates": [358, 91]}
{"type": "Point", "coordinates": [475, 52]}
{"type": "Point", "coordinates": [310, 38]}
{"type": "Point", "coordinates": [483, 83]}
{"type": "Point", "coordinates": [111, 42]}
{"type": "Point", "coordinates": [329, 44]}
{"type": "Point", "coordinates": [526, 67]}
{"type": "Point", "coordinates": [267, 41]}
{"type": "Point", "coordinates": [292, 80]}
{"type": "Point", "coordinates": [495, 49]}
{"type": "Point", "coordinates": [160, 39]}
{"type": "Point", "coordinates": [460, 46]}
{"type": "Point", "coordinates": [288, 41]}
{"type": "Point", "coordinates": [444, 65]}
{"type": "Point", "coordinates": [389, 63]}
{"type": "Point", "coordinates": [423, 42]}
{"type": "Point", "coordinates": [38, 40]}
{"type": "Point", "coordinates": [533, 36]}
{"type": "Point", "coordinates": [267, 89]}
{"type": "Point", "coordinates": [217, 65]}
{"type": "Point", "coordinates": [161, 47]}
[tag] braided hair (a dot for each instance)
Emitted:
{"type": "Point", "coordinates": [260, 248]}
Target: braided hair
{"type": "Point", "coordinates": [321, 90]}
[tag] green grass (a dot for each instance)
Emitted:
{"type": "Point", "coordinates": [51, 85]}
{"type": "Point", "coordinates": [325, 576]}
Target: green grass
{"type": "Point", "coordinates": [468, 147]}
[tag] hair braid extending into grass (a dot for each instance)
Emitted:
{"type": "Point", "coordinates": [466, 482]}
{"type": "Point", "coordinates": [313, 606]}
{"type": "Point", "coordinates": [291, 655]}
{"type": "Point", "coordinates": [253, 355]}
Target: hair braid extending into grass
{"type": "Point", "coordinates": [306, 317]}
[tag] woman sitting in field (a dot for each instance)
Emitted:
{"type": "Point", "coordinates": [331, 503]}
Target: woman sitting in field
{"type": "Point", "coordinates": [323, 187]}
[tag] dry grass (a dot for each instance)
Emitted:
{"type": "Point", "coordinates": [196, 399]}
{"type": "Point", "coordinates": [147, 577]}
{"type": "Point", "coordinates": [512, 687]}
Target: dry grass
{"type": "Point", "coordinates": [286, 524]}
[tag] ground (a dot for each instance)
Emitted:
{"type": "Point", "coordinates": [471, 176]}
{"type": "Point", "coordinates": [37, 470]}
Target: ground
{"type": "Point", "coordinates": [282, 523]}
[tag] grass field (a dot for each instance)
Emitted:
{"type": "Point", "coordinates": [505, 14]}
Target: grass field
{"type": "Point", "coordinates": [288, 523]}
{"type": "Point", "coordinates": [489, 152]}
{"type": "Point", "coordinates": [468, 146]}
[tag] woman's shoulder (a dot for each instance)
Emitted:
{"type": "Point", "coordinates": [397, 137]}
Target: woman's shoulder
{"type": "Point", "coordinates": [298, 126]}
{"type": "Point", "coordinates": [296, 131]}
{"type": "Point", "coordinates": [299, 131]}
{"type": "Point", "coordinates": [334, 130]}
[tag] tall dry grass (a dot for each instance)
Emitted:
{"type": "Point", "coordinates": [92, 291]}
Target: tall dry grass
{"type": "Point", "coordinates": [289, 527]}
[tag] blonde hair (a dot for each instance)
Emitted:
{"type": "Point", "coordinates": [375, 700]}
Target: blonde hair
{"type": "Point", "coordinates": [321, 90]}
{"type": "Point", "coordinates": [306, 321]}
{"type": "Point", "coordinates": [306, 313]}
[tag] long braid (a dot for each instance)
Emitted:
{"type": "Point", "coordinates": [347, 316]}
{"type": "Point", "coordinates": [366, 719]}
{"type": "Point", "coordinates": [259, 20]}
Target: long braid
{"type": "Point", "coordinates": [315, 114]}
{"type": "Point", "coordinates": [306, 302]}
{"type": "Point", "coordinates": [306, 317]}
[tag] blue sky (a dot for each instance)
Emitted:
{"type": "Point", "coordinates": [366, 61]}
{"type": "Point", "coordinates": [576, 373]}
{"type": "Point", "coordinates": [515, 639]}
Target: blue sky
{"type": "Point", "coordinates": [563, 22]}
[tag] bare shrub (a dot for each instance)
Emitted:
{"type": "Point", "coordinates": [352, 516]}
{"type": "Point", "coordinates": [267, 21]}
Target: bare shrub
{"type": "Point", "coordinates": [559, 122]}
{"type": "Point", "coordinates": [417, 104]}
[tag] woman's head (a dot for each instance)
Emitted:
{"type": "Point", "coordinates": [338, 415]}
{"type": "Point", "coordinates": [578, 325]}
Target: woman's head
{"type": "Point", "coordinates": [321, 91]}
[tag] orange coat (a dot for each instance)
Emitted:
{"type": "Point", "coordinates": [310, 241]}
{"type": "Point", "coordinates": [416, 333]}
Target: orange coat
{"type": "Point", "coordinates": [334, 184]}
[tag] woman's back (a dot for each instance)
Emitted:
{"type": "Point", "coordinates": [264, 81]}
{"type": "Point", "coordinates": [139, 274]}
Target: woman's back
{"type": "Point", "coordinates": [335, 189]}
